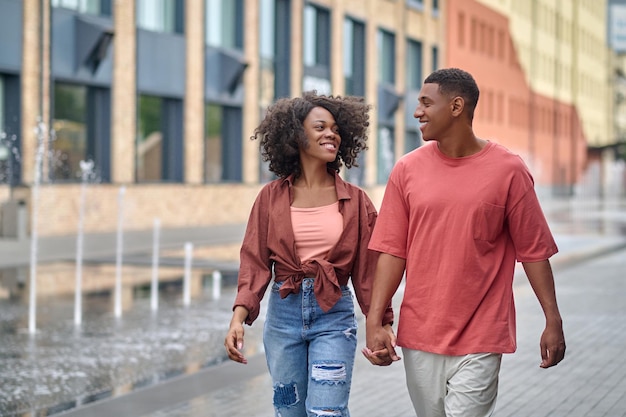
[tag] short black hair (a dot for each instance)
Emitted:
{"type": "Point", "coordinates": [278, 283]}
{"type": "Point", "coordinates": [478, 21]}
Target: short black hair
{"type": "Point", "coordinates": [456, 82]}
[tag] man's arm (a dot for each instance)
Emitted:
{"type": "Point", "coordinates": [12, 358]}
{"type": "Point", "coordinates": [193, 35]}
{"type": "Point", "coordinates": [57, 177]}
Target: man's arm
{"type": "Point", "coordinates": [552, 341]}
{"type": "Point", "coordinates": [380, 340]}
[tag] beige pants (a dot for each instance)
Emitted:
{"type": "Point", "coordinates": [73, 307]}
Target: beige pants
{"type": "Point", "coordinates": [452, 386]}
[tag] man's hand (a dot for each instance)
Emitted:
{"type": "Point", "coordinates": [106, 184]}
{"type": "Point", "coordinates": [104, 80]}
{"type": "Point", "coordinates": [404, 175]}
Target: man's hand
{"type": "Point", "coordinates": [552, 345]}
{"type": "Point", "coordinates": [380, 345]}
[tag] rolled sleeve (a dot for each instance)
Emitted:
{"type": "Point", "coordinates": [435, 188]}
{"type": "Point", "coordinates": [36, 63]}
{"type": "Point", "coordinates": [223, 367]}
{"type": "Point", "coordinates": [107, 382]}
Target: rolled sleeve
{"type": "Point", "coordinates": [254, 270]}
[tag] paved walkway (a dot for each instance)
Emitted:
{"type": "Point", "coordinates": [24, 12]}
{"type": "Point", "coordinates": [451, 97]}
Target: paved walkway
{"type": "Point", "coordinates": [103, 246]}
{"type": "Point", "coordinates": [590, 382]}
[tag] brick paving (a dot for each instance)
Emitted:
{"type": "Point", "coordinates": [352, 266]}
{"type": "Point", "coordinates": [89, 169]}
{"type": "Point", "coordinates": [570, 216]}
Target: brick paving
{"type": "Point", "coordinates": [590, 382]}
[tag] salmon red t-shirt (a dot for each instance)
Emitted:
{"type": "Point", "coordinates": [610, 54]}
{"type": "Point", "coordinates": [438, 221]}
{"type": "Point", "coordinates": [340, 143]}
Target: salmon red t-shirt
{"type": "Point", "coordinates": [461, 224]}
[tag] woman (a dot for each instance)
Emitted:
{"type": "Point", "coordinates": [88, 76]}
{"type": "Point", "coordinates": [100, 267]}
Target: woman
{"type": "Point", "coordinates": [308, 230]}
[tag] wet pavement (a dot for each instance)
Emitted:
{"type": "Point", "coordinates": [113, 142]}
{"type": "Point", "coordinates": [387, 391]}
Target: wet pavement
{"type": "Point", "coordinates": [171, 362]}
{"type": "Point", "coordinates": [64, 365]}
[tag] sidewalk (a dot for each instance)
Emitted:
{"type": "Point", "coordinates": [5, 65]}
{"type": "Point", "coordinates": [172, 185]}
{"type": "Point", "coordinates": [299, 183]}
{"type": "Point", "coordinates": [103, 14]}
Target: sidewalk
{"type": "Point", "coordinates": [103, 246]}
{"type": "Point", "coordinates": [590, 382]}
{"type": "Point", "coordinates": [594, 371]}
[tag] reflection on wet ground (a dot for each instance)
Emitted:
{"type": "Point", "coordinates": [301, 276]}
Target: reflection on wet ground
{"type": "Point", "coordinates": [64, 365]}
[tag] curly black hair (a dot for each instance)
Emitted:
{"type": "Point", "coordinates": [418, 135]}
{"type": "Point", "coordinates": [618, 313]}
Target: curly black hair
{"type": "Point", "coordinates": [282, 133]}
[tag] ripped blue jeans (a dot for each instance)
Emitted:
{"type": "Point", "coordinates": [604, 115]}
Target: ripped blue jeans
{"type": "Point", "coordinates": [310, 354]}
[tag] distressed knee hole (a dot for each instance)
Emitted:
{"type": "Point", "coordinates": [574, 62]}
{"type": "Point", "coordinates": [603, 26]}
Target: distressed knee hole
{"type": "Point", "coordinates": [285, 395]}
{"type": "Point", "coordinates": [329, 372]}
{"type": "Point", "coordinates": [326, 412]}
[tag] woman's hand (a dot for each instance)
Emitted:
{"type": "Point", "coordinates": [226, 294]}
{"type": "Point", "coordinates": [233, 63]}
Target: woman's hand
{"type": "Point", "coordinates": [234, 337]}
{"type": "Point", "coordinates": [381, 343]}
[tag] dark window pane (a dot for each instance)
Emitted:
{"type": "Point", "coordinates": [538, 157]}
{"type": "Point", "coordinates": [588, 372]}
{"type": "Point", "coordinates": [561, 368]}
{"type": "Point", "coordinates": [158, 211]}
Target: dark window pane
{"type": "Point", "coordinates": [386, 158]}
{"type": "Point", "coordinates": [213, 164]}
{"type": "Point", "coordinates": [149, 139]}
{"type": "Point", "coordinates": [70, 131]}
{"type": "Point", "coordinates": [414, 65]}
{"type": "Point", "coordinates": [387, 60]}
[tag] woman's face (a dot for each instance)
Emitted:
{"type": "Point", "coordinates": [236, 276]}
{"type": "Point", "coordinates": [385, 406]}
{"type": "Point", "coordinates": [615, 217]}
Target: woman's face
{"type": "Point", "coordinates": [322, 135]}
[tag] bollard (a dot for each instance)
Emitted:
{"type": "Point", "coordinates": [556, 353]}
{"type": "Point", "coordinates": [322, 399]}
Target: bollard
{"type": "Point", "coordinates": [217, 284]}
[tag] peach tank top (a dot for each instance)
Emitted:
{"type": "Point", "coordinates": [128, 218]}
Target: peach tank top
{"type": "Point", "coordinates": [316, 230]}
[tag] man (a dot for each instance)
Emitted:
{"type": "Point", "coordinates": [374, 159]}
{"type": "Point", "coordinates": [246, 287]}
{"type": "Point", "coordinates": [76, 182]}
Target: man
{"type": "Point", "coordinates": [456, 215]}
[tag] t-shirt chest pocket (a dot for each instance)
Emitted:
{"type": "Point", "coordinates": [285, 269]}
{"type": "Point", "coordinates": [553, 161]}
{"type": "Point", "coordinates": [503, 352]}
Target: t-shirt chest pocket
{"type": "Point", "coordinates": [488, 221]}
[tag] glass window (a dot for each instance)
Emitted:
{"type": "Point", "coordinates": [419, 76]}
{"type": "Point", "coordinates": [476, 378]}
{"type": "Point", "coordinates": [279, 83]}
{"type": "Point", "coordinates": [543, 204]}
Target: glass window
{"type": "Point", "coordinates": [224, 24]}
{"type": "Point", "coordinates": [386, 156]}
{"type": "Point", "coordinates": [4, 144]}
{"type": "Point", "coordinates": [10, 164]}
{"type": "Point", "coordinates": [387, 57]}
{"type": "Point", "coordinates": [149, 150]}
{"type": "Point", "coordinates": [316, 36]}
{"type": "Point", "coordinates": [267, 51]}
{"type": "Point", "coordinates": [348, 41]}
{"type": "Point", "coordinates": [267, 29]}
{"type": "Point", "coordinates": [414, 65]}
{"type": "Point", "coordinates": [80, 131]}
{"type": "Point", "coordinates": [82, 6]}
{"type": "Point", "coordinates": [435, 58]}
{"type": "Point", "coordinates": [354, 57]}
{"type": "Point", "coordinates": [316, 45]}
{"type": "Point", "coordinates": [309, 35]}
{"type": "Point", "coordinates": [1, 103]}
{"type": "Point", "coordinates": [213, 166]}
{"type": "Point", "coordinates": [160, 15]}
{"type": "Point", "coordinates": [416, 4]}
{"type": "Point", "coordinates": [69, 143]}
{"type": "Point", "coordinates": [412, 140]}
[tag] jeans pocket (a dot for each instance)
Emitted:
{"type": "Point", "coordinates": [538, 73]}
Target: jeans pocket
{"type": "Point", "coordinates": [346, 291]}
{"type": "Point", "coordinates": [276, 286]}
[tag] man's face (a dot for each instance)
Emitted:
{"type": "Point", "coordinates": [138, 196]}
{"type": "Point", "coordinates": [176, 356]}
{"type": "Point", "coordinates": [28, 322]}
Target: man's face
{"type": "Point", "coordinates": [434, 112]}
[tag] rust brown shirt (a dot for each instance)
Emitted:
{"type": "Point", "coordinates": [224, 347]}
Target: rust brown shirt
{"type": "Point", "coordinates": [269, 249]}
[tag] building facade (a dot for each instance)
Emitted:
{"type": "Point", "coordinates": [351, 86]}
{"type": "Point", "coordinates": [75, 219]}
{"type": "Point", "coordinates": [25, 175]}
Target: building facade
{"type": "Point", "coordinates": [152, 102]}
{"type": "Point", "coordinates": [543, 68]}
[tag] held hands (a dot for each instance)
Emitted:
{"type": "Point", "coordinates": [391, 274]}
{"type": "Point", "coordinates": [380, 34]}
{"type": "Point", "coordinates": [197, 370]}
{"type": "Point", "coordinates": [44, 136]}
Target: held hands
{"type": "Point", "coordinates": [234, 342]}
{"type": "Point", "coordinates": [380, 345]}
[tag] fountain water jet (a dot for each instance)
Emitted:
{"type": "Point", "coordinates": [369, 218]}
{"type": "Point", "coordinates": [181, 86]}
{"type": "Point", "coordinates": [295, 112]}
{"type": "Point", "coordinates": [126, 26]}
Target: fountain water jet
{"type": "Point", "coordinates": [217, 284]}
{"type": "Point", "coordinates": [154, 288]}
{"type": "Point", "coordinates": [86, 168]}
{"type": "Point", "coordinates": [118, 252]}
{"type": "Point", "coordinates": [41, 131]}
{"type": "Point", "coordinates": [187, 276]}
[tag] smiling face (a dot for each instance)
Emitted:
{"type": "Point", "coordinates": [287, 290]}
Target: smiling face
{"type": "Point", "coordinates": [322, 135]}
{"type": "Point", "coordinates": [434, 112]}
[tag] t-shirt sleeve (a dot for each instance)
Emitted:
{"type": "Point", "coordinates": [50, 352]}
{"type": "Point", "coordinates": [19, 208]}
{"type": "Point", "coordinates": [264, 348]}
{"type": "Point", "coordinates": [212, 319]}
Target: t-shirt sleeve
{"type": "Point", "coordinates": [527, 224]}
{"type": "Point", "coordinates": [390, 232]}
